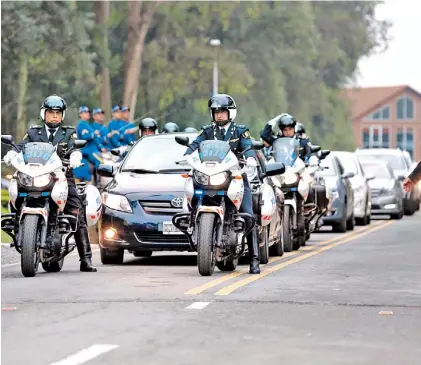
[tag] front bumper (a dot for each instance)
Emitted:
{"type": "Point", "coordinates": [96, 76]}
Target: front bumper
{"type": "Point", "coordinates": [385, 205]}
{"type": "Point", "coordinates": [136, 233]}
{"type": "Point", "coordinates": [360, 206]}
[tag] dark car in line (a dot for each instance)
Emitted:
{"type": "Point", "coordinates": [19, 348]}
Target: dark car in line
{"type": "Point", "coordinates": [386, 190]}
{"type": "Point", "coordinates": [340, 214]}
{"type": "Point", "coordinates": [139, 202]}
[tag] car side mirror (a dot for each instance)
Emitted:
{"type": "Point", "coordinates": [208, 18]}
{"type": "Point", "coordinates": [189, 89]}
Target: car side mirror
{"type": "Point", "coordinates": [105, 170]}
{"type": "Point", "coordinates": [184, 141]}
{"type": "Point", "coordinates": [6, 139]}
{"type": "Point", "coordinates": [115, 152]}
{"type": "Point", "coordinates": [323, 154]}
{"type": "Point", "coordinates": [348, 175]}
{"type": "Point", "coordinates": [275, 168]}
{"type": "Point", "coordinates": [314, 148]}
{"type": "Point", "coordinates": [401, 177]}
{"type": "Point", "coordinates": [257, 145]}
{"type": "Point", "coordinates": [370, 177]}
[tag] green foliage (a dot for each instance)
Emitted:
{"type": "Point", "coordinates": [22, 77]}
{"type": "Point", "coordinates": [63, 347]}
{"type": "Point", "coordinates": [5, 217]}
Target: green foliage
{"type": "Point", "coordinates": [275, 57]}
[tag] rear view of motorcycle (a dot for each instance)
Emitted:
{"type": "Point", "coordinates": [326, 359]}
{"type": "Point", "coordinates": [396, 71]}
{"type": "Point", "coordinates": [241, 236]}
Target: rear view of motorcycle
{"type": "Point", "coordinates": [214, 193]}
{"type": "Point", "coordinates": [38, 192]}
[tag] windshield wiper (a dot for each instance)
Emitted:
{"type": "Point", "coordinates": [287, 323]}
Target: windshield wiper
{"type": "Point", "coordinates": [140, 171]}
{"type": "Point", "coordinates": [174, 170]}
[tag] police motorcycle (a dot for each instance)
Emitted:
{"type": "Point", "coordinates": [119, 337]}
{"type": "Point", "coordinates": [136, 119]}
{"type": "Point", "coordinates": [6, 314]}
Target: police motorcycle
{"type": "Point", "coordinates": [315, 210]}
{"type": "Point", "coordinates": [38, 191]}
{"type": "Point", "coordinates": [214, 191]}
{"type": "Point", "coordinates": [295, 187]}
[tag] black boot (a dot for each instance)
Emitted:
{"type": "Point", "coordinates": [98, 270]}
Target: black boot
{"type": "Point", "coordinates": [84, 250]}
{"type": "Point", "coordinates": [253, 247]}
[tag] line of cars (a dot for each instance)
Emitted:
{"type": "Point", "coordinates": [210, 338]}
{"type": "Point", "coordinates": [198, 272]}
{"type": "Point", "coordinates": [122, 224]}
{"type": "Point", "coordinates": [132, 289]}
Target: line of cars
{"type": "Point", "coordinates": [147, 190]}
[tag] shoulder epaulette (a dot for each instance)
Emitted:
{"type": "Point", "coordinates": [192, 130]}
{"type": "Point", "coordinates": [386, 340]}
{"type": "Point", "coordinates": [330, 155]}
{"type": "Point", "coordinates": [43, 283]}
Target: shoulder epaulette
{"type": "Point", "coordinates": [36, 127]}
{"type": "Point", "coordinates": [207, 126]}
{"type": "Point", "coordinates": [240, 125]}
{"type": "Point", "coordinates": [68, 127]}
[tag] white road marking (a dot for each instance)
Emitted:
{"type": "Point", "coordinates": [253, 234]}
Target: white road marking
{"type": "Point", "coordinates": [71, 254]}
{"type": "Point", "coordinates": [198, 305]}
{"type": "Point", "coordinates": [86, 354]}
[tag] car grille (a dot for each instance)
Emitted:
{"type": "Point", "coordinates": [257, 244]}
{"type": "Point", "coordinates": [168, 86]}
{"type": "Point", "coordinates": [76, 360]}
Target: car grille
{"type": "Point", "coordinates": [376, 192]}
{"type": "Point", "coordinates": [159, 207]}
{"type": "Point", "coordinates": [158, 237]}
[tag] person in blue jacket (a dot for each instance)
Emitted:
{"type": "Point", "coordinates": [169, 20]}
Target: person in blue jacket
{"type": "Point", "coordinates": [100, 130]}
{"type": "Point", "coordinates": [85, 131]}
{"type": "Point", "coordinates": [129, 129]}
{"type": "Point", "coordinates": [83, 173]}
{"type": "Point", "coordinates": [114, 127]}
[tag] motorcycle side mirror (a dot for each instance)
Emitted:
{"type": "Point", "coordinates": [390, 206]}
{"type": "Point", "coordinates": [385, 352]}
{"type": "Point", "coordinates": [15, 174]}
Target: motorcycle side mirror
{"type": "Point", "coordinates": [184, 141]}
{"type": "Point", "coordinates": [275, 168]}
{"type": "Point", "coordinates": [323, 154]}
{"type": "Point", "coordinates": [80, 143]}
{"type": "Point", "coordinates": [105, 170]}
{"type": "Point", "coordinates": [115, 152]}
{"type": "Point", "coordinates": [6, 139]}
{"type": "Point", "coordinates": [131, 143]}
{"type": "Point", "coordinates": [315, 148]}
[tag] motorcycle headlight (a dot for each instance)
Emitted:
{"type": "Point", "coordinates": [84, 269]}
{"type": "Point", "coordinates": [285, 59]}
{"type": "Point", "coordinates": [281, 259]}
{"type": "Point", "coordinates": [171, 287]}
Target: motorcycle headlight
{"type": "Point", "coordinates": [218, 179]}
{"type": "Point", "coordinates": [42, 180]}
{"type": "Point", "coordinates": [24, 179]}
{"type": "Point", "coordinates": [201, 178]}
{"type": "Point", "coordinates": [116, 202]}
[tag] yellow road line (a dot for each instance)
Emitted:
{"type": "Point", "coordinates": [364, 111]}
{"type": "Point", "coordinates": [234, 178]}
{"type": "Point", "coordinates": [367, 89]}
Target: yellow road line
{"type": "Point", "coordinates": [230, 288]}
{"type": "Point", "coordinates": [222, 279]}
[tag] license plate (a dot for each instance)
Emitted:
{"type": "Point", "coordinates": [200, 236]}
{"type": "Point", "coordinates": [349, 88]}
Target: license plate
{"type": "Point", "coordinates": [169, 228]}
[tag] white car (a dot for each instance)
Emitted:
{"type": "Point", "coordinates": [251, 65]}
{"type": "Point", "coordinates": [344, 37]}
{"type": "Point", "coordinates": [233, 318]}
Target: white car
{"type": "Point", "coordinates": [360, 187]}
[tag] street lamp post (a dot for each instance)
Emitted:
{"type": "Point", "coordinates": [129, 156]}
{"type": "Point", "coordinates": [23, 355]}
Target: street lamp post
{"type": "Point", "coordinates": [215, 43]}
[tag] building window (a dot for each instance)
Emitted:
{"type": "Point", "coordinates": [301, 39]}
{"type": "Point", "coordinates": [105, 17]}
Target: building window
{"type": "Point", "coordinates": [375, 137]}
{"type": "Point", "coordinates": [405, 108]}
{"type": "Point", "coordinates": [405, 140]}
{"type": "Point", "coordinates": [380, 114]}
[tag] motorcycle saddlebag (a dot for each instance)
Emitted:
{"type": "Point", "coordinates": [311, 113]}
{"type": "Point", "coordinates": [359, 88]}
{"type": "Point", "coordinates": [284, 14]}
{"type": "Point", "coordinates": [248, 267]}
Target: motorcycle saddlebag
{"type": "Point", "coordinates": [320, 195]}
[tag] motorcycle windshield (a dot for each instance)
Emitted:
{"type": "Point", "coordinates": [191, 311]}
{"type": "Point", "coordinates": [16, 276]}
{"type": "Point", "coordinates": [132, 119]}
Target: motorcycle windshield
{"type": "Point", "coordinates": [285, 150]}
{"type": "Point", "coordinates": [214, 151]}
{"type": "Point", "coordinates": [38, 153]}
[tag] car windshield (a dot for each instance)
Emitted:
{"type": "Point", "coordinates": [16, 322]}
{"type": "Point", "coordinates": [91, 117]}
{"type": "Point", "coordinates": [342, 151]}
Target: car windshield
{"type": "Point", "coordinates": [348, 163]}
{"type": "Point", "coordinates": [213, 151]}
{"type": "Point", "coordinates": [379, 170]}
{"type": "Point", "coordinates": [330, 170]}
{"type": "Point", "coordinates": [396, 161]}
{"type": "Point", "coordinates": [285, 150]}
{"type": "Point", "coordinates": [156, 154]}
{"type": "Point", "coordinates": [37, 152]}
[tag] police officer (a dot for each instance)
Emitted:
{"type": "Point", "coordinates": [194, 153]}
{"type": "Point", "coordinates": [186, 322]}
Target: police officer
{"type": "Point", "coordinates": [305, 143]}
{"type": "Point", "coordinates": [147, 127]}
{"type": "Point", "coordinates": [100, 130]}
{"type": "Point", "coordinates": [223, 111]}
{"type": "Point", "coordinates": [114, 127]}
{"type": "Point", "coordinates": [286, 124]}
{"type": "Point", "coordinates": [129, 129]}
{"type": "Point", "coordinates": [190, 130]}
{"type": "Point", "coordinates": [170, 127]}
{"type": "Point", "coordinates": [84, 130]}
{"type": "Point", "coordinates": [52, 114]}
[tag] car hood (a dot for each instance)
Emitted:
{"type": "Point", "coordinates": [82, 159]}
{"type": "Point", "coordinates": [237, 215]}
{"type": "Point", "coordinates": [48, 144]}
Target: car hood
{"type": "Point", "coordinates": [381, 184]}
{"type": "Point", "coordinates": [129, 183]}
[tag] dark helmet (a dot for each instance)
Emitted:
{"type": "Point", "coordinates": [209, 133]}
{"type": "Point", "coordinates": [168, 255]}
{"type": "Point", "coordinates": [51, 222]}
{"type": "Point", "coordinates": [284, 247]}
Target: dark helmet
{"type": "Point", "coordinates": [222, 102]}
{"type": "Point", "coordinates": [170, 127]}
{"type": "Point", "coordinates": [53, 102]}
{"type": "Point", "coordinates": [300, 129]}
{"type": "Point", "coordinates": [286, 120]}
{"type": "Point", "coordinates": [190, 130]}
{"type": "Point", "coordinates": [147, 124]}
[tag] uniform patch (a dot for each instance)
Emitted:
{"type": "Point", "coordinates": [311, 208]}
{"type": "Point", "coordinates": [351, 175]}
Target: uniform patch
{"type": "Point", "coordinates": [26, 136]}
{"type": "Point", "coordinates": [246, 134]}
{"type": "Point", "coordinates": [234, 140]}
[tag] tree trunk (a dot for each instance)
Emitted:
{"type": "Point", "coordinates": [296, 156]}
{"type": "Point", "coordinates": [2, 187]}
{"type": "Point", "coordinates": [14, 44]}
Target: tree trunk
{"type": "Point", "coordinates": [102, 14]}
{"type": "Point", "coordinates": [139, 20]}
{"type": "Point", "coordinates": [23, 90]}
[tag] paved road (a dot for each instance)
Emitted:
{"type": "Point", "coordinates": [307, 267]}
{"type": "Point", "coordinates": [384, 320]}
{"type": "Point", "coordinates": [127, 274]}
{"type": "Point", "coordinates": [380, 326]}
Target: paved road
{"type": "Point", "coordinates": [351, 298]}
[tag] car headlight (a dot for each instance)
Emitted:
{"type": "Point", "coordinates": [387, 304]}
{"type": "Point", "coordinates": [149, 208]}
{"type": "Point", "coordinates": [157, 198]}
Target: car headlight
{"type": "Point", "coordinates": [24, 179]}
{"type": "Point", "coordinates": [42, 180]}
{"type": "Point", "coordinates": [116, 202]}
{"type": "Point", "coordinates": [201, 178]}
{"type": "Point", "coordinates": [218, 179]}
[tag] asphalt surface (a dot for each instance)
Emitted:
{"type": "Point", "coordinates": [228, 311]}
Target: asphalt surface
{"type": "Point", "coordinates": [351, 298]}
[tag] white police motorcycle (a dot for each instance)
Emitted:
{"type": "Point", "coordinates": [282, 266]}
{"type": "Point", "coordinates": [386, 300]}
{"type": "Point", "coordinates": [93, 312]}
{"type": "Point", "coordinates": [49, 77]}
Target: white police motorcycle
{"type": "Point", "coordinates": [213, 195]}
{"type": "Point", "coordinates": [38, 191]}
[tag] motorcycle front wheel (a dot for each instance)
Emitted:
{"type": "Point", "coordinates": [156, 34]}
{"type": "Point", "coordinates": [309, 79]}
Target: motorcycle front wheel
{"type": "Point", "coordinates": [206, 244]}
{"type": "Point", "coordinates": [31, 233]}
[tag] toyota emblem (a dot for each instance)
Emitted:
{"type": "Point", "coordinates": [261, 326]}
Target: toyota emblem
{"type": "Point", "coordinates": [177, 202]}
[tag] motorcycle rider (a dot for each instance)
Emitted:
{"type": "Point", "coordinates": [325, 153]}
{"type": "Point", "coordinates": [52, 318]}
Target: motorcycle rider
{"type": "Point", "coordinates": [100, 129]}
{"type": "Point", "coordinates": [223, 111]}
{"type": "Point", "coordinates": [147, 127]}
{"type": "Point", "coordinates": [114, 127]}
{"type": "Point", "coordinates": [305, 144]}
{"type": "Point", "coordinates": [127, 132]}
{"type": "Point", "coordinates": [52, 113]}
{"type": "Point", "coordinates": [413, 178]}
{"type": "Point", "coordinates": [170, 128]}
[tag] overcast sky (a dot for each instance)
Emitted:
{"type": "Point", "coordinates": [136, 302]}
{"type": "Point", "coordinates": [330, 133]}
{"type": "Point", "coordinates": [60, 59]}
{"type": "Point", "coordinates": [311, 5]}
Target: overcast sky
{"type": "Point", "coordinates": [401, 63]}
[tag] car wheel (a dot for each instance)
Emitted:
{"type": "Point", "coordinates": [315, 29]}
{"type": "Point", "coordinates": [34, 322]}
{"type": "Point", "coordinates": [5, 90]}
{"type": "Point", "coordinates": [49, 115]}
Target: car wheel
{"type": "Point", "coordinates": [142, 253]}
{"type": "Point", "coordinates": [350, 223]}
{"type": "Point", "coordinates": [111, 257]}
{"type": "Point", "coordinates": [341, 226]}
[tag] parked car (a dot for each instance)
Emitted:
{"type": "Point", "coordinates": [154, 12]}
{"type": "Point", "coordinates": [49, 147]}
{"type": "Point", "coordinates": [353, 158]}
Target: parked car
{"type": "Point", "coordinates": [397, 161]}
{"type": "Point", "coordinates": [340, 214]}
{"type": "Point", "coordinates": [386, 190]}
{"type": "Point", "coordinates": [417, 189]}
{"type": "Point", "coordinates": [360, 186]}
{"type": "Point", "coordinates": [138, 204]}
